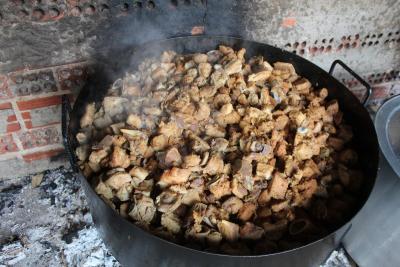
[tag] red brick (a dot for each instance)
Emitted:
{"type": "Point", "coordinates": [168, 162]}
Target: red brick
{"type": "Point", "coordinates": [26, 115]}
{"type": "Point", "coordinates": [13, 127]}
{"type": "Point", "coordinates": [5, 106]}
{"type": "Point", "coordinates": [11, 118]}
{"type": "Point", "coordinates": [380, 92]}
{"type": "Point", "coordinates": [72, 77]}
{"type": "Point", "coordinates": [42, 155]}
{"type": "Point", "coordinates": [39, 137]}
{"type": "Point", "coordinates": [28, 124]}
{"type": "Point", "coordinates": [32, 82]}
{"type": "Point", "coordinates": [45, 116]}
{"type": "Point", "coordinates": [39, 102]}
{"type": "Point", "coordinates": [7, 144]}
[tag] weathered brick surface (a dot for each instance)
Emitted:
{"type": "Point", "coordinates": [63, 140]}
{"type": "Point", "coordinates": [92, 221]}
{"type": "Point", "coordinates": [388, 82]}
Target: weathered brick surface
{"type": "Point", "coordinates": [7, 144]}
{"type": "Point", "coordinates": [4, 115]}
{"type": "Point", "coordinates": [8, 120]}
{"type": "Point", "coordinates": [13, 127]}
{"type": "Point", "coordinates": [45, 116]}
{"type": "Point", "coordinates": [32, 82]}
{"type": "Point", "coordinates": [72, 77]}
{"type": "Point", "coordinates": [42, 154]}
{"type": "Point", "coordinates": [4, 91]}
{"type": "Point", "coordinates": [381, 91]}
{"type": "Point", "coordinates": [40, 137]}
{"type": "Point", "coordinates": [39, 102]}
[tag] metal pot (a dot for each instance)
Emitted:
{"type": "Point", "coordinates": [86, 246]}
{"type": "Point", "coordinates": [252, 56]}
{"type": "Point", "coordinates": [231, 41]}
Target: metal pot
{"type": "Point", "coordinates": [133, 246]}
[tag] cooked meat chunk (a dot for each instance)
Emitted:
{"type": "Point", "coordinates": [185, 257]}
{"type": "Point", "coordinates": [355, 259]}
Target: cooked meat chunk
{"type": "Point", "coordinates": [117, 180]}
{"type": "Point", "coordinates": [219, 78]}
{"type": "Point", "coordinates": [170, 129]}
{"type": "Point", "coordinates": [191, 161]}
{"type": "Point", "coordinates": [278, 186]}
{"type": "Point", "coordinates": [332, 108]}
{"type": "Point", "coordinates": [171, 222]}
{"type": "Point", "coordinates": [82, 152]}
{"type": "Point", "coordinates": [302, 86]}
{"type": "Point", "coordinates": [280, 206]}
{"type": "Point", "coordinates": [144, 210]}
{"type": "Point", "coordinates": [168, 201]}
{"type": "Point", "coordinates": [221, 187]}
{"type": "Point", "coordinates": [232, 205]}
{"type": "Point", "coordinates": [234, 66]}
{"type": "Point", "coordinates": [283, 66]}
{"type": "Point", "coordinates": [114, 105]}
{"type": "Point", "coordinates": [97, 156]}
{"type": "Point", "coordinates": [205, 69]}
{"type": "Point", "coordinates": [88, 117]}
{"type": "Point", "coordinates": [303, 151]}
{"type": "Point", "coordinates": [247, 211]}
{"type": "Point", "coordinates": [172, 157]}
{"type": "Point", "coordinates": [119, 158]}
{"type": "Point", "coordinates": [215, 131]}
{"type": "Point", "coordinates": [238, 189]}
{"type": "Point", "coordinates": [348, 156]}
{"type": "Point", "coordinates": [214, 166]}
{"type": "Point", "coordinates": [159, 142]}
{"type": "Point", "coordinates": [138, 174]}
{"type": "Point", "coordinates": [174, 176]}
{"type": "Point", "coordinates": [191, 196]}
{"type": "Point", "coordinates": [336, 143]}
{"type": "Point", "coordinates": [260, 76]}
{"type": "Point", "coordinates": [124, 192]}
{"type": "Point", "coordinates": [308, 188]}
{"type": "Point", "coordinates": [229, 230]}
{"type": "Point", "coordinates": [251, 231]}
{"type": "Point", "coordinates": [104, 190]}
{"type": "Point", "coordinates": [134, 121]}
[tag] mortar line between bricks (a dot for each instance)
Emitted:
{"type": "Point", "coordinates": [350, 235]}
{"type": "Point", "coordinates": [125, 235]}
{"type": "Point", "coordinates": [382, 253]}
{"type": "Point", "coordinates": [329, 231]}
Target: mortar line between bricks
{"type": "Point", "coordinates": [360, 87]}
{"type": "Point", "coordinates": [18, 114]}
{"type": "Point", "coordinates": [11, 155]}
{"type": "Point", "coordinates": [33, 97]}
{"type": "Point", "coordinates": [41, 149]}
{"type": "Point", "coordinates": [58, 85]}
{"type": "Point", "coordinates": [18, 143]}
{"type": "Point", "coordinates": [43, 68]}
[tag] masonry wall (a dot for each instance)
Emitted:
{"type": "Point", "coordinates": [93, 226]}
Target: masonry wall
{"type": "Point", "coordinates": [47, 48]}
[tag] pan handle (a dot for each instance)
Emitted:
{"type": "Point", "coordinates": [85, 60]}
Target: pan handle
{"type": "Point", "coordinates": [65, 112]}
{"type": "Point", "coordinates": [355, 75]}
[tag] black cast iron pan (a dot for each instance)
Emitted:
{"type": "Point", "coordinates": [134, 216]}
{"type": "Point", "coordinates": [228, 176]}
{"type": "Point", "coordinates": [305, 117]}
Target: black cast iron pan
{"type": "Point", "coordinates": [134, 247]}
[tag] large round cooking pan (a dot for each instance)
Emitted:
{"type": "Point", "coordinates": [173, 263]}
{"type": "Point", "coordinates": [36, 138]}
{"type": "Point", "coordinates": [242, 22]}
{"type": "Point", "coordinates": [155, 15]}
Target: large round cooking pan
{"type": "Point", "coordinates": [134, 247]}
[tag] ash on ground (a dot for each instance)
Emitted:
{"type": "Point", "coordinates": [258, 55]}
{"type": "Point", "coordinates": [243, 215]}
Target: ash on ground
{"type": "Point", "coordinates": [45, 221]}
{"type": "Point", "coordinates": [49, 225]}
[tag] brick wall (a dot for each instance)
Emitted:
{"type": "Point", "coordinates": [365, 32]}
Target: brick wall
{"type": "Point", "coordinates": [30, 116]}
